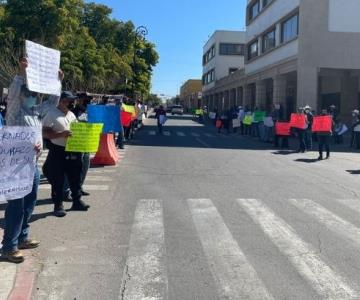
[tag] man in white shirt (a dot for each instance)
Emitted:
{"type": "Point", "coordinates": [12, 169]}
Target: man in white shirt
{"type": "Point", "coordinates": [56, 128]}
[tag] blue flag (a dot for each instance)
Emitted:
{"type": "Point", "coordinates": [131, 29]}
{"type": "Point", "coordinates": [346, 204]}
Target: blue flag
{"type": "Point", "coordinates": [108, 115]}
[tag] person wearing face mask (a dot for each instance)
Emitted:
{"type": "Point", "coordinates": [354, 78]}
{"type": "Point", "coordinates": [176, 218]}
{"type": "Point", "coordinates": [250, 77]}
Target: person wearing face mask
{"type": "Point", "coordinates": [22, 110]}
{"type": "Point", "coordinates": [56, 128]}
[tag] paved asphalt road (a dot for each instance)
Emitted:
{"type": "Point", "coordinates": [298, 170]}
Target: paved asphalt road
{"type": "Point", "coordinates": [196, 215]}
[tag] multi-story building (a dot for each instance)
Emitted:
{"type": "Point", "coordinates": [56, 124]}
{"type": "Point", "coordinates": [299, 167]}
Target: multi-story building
{"type": "Point", "coordinates": [223, 54]}
{"type": "Point", "coordinates": [299, 52]}
{"type": "Point", "coordinates": [190, 93]}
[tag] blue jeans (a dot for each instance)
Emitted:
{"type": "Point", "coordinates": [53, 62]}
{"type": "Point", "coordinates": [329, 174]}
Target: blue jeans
{"type": "Point", "coordinates": [17, 216]}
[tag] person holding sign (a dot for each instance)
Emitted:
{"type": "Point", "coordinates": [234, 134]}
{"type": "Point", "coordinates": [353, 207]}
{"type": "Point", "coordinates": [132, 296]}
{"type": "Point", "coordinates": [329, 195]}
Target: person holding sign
{"type": "Point", "coordinates": [324, 136]}
{"type": "Point", "coordinates": [56, 128]}
{"type": "Point", "coordinates": [22, 110]}
{"type": "Point", "coordinates": [161, 118]}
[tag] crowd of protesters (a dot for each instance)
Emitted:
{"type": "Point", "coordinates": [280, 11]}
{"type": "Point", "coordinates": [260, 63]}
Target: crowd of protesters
{"type": "Point", "coordinates": [65, 171]}
{"type": "Point", "coordinates": [265, 130]}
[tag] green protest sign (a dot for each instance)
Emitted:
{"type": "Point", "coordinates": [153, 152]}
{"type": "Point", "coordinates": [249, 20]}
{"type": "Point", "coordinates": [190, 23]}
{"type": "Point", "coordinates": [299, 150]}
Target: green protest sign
{"type": "Point", "coordinates": [259, 116]}
{"type": "Point", "coordinates": [85, 137]}
{"type": "Point", "coordinates": [248, 119]}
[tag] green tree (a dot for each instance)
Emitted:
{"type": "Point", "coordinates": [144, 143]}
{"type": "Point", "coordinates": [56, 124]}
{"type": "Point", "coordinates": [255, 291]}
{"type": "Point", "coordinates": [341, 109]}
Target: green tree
{"type": "Point", "coordinates": [97, 51]}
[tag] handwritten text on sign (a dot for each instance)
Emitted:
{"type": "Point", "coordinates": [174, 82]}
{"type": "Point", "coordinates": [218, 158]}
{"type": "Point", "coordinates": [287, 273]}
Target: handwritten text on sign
{"type": "Point", "coordinates": [42, 73]}
{"type": "Point", "coordinates": [85, 137]}
{"type": "Point", "coordinates": [17, 161]}
{"type": "Point", "coordinates": [322, 124]}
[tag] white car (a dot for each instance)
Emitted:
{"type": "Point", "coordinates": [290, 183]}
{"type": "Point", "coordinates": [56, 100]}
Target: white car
{"type": "Point", "coordinates": [177, 110]}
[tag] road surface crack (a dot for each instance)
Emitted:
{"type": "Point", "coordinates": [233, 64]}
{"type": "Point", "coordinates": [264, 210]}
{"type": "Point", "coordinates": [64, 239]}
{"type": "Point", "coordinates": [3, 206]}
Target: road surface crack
{"type": "Point", "coordinates": [126, 279]}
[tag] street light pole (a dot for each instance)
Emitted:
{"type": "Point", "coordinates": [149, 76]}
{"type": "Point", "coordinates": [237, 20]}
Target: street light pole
{"type": "Point", "coordinates": [140, 33]}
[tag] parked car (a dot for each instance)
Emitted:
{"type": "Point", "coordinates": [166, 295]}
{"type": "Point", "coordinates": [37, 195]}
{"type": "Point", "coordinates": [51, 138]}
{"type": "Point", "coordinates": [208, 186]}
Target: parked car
{"type": "Point", "coordinates": [177, 110]}
{"type": "Point", "coordinates": [168, 109]}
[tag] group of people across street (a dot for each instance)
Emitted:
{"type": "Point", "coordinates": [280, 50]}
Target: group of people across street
{"type": "Point", "coordinates": [262, 124]}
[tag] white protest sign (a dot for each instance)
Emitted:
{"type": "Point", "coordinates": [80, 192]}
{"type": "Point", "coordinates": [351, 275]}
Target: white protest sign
{"type": "Point", "coordinates": [17, 161]}
{"type": "Point", "coordinates": [268, 122]}
{"type": "Point", "coordinates": [42, 73]}
{"type": "Point", "coordinates": [343, 130]}
{"type": "Point", "coordinates": [212, 115]}
{"type": "Point", "coordinates": [236, 123]}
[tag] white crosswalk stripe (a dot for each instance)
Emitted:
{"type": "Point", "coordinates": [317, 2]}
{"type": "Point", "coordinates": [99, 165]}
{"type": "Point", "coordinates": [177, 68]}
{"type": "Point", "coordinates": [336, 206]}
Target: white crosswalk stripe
{"type": "Point", "coordinates": [180, 133]}
{"type": "Point", "coordinates": [324, 280]}
{"type": "Point", "coordinates": [235, 277]}
{"type": "Point", "coordinates": [145, 272]}
{"type": "Point", "coordinates": [152, 132]}
{"type": "Point", "coordinates": [167, 133]}
{"type": "Point", "coordinates": [209, 135]}
{"type": "Point", "coordinates": [194, 134]}
{"type": "Point", "coordinates": [87, 187]}
{"type": "Point", "coordinates": [329, 219]}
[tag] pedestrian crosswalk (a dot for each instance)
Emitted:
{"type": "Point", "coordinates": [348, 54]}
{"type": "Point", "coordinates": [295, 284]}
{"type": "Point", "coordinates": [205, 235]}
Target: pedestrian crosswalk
{"type": "Point", "coordinates": [234, 274]}
{"type": "Point", "coordinates": [169, 133]}
{"type": "Point", "coordinates": [97, 179]}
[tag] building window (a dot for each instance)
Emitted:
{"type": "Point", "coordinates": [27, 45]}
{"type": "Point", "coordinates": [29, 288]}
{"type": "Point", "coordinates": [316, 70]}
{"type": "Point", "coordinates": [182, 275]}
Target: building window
{"type": "Point", "coordinates": [290, 29]}
{"type": "Point", "coordinates": [254, 10]}
{"type": "Point", "coordinates": [266, 2]}
{"type": "Point", "coordinates": [209, 77]}
{"type": "Point", "coordinates": [209, 55]}
{"type": "Point", "coordinates": [232, 70]}
{"type": "Point", "coordinates": [253, 50]}
{"type": "Point", "coordinates": [269, 40]}
{"type": "Point", "coordinates": [231, 49]}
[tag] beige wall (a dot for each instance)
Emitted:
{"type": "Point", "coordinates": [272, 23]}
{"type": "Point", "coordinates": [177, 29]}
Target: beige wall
{"type": "Point", "coordinates": [320, 48]}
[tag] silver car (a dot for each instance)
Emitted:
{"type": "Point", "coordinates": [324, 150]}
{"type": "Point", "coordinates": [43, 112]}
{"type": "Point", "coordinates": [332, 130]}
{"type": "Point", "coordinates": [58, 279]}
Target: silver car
{"type": "Point", "coordinates": [177, 110]}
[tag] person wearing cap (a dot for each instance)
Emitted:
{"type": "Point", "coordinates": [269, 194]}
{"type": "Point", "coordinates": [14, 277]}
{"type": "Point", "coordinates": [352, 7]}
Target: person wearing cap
{"type": "Point", "coordinates": [23, 109]}
{"type": "Point", "coordinates": [80, 112]}
{"type": "Point", "coordinates": [56, 128]}
{"type": "Point", "coordinates": [308, 130]}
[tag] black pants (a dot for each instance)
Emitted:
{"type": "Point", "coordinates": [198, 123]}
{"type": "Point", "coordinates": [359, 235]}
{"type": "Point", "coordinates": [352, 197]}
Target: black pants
{"type": "Point", "coordinates": [301, 137]}
{"type": "Point", "coordinates": [324, 140]}
{"type": "Point", "coordinates": [58, 164]}
{"type": "Point", "coordinates": [284, 141]}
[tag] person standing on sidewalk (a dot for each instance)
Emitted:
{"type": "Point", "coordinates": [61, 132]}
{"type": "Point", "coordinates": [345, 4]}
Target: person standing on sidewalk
{"type": "Point", "coordinates": [56, 128]}
{"type": "Point", "coordinates": [22, 110]}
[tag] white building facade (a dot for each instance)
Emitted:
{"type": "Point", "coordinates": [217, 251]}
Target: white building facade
{"type": "Point", "coordinates": [223, 54]}
{"type": "Point", "coordinates": [298, 52]}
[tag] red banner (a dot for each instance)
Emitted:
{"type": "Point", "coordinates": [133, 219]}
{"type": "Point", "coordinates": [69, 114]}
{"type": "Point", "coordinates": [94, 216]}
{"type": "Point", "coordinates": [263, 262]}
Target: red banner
{"type": "Point", "coordinates": [282, 128]}
{"type": "Point", "coordinates": [218, 124]}
{"type": "Point", "coordinates": [322, 124]}
{"type": "Point", "coordinates": [125, 118]}
{"type": "Point", "coordinates": [298, 121]}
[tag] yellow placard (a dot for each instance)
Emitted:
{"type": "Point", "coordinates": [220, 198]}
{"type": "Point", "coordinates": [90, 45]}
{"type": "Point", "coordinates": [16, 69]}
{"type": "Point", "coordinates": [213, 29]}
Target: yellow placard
{"type": "Point", "coordinates": [199, 112]}
{"type": "Point", "coordinates": [248, 120]}
{"type": "Point", "coordinates": [85, 137]}
{"type": "Point", "coordinates": [129, 109]}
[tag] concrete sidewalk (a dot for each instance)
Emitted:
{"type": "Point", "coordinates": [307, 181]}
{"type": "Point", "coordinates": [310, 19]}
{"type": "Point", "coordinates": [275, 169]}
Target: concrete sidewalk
{"type": "Point", "coordinates": [17, 281]}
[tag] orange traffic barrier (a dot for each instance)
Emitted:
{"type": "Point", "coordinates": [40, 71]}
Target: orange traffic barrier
{"type": "Point", "coordinates": [107, 153]}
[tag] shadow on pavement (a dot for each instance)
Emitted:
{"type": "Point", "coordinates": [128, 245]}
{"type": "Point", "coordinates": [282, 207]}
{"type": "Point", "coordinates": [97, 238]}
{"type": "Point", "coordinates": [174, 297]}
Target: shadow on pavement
{"type": "Point", "coordinates": [353, 172]}
{"type": "Point", "coordinates": [284, 152]}
{"type": "Point", "coordinates": [307, 160]}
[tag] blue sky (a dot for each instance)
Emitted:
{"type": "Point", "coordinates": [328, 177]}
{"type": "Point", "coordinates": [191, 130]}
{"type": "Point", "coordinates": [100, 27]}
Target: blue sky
{"type": "Point", "coordinates": [179, 28]}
